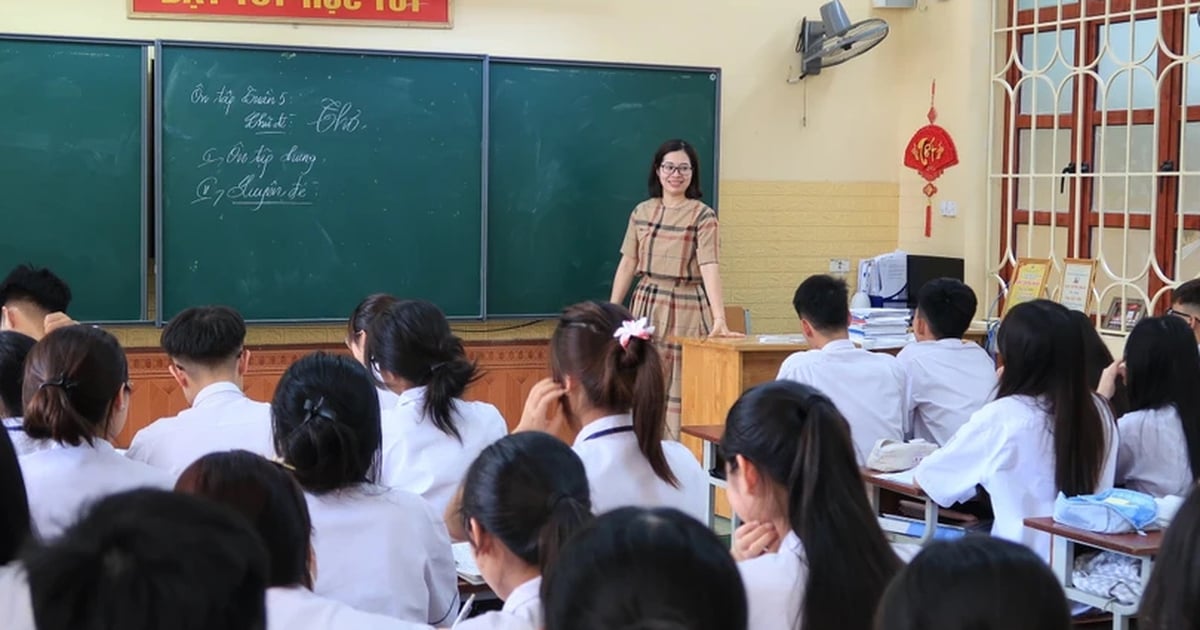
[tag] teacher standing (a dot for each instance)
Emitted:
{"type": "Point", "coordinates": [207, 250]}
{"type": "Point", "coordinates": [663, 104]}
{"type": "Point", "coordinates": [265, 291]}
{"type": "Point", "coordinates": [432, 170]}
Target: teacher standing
{"type": "Point", "coordinates": [672, 246]}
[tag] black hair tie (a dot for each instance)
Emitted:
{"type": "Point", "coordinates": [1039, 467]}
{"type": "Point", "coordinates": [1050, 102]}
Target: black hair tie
{"type": "Point", "coordinates": [62, 382]}
{"type": "Point", "coordinates": [314, 410]}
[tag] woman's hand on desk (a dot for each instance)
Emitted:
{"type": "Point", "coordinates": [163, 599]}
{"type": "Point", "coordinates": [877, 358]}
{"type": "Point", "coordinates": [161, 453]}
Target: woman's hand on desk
{"type": "Point", "coordinates": [752, 540]}
{"type": "Point", "coordinates": [721, 329]}
{"type": "Point", "coordinates": [544, 409]}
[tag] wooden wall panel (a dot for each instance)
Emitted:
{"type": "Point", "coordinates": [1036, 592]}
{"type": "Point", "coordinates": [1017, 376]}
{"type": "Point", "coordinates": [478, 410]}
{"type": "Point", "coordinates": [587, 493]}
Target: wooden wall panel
{"type": "Point", "coordinates": [510, 369]}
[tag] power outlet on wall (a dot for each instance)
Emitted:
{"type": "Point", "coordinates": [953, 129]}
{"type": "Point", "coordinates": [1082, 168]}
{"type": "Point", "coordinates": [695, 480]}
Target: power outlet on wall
{"type": "Point", "coordinates": [839, 265]}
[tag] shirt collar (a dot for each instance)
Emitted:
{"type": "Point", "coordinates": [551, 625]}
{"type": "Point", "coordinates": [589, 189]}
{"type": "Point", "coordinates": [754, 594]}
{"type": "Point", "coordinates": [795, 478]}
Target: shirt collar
{"type": "Point", "coordinates": [214, 391]}
{"type": "Point", "coordinates": [523, 594]}
{"type": "Point", "coordinates": [607, 422]}
{"type": "Point", "coordinates": [411, 395]}
{"type": "Point", "coordinates": [951, 342]}
{"type": "Point", "coordinates": [98, 445]}
{"type": "Point", "coordinates": [12, 423]}
{"type": "Point", "coordinates": [792, 543]}
{"type": "Point", "coordinates": [839, 345]}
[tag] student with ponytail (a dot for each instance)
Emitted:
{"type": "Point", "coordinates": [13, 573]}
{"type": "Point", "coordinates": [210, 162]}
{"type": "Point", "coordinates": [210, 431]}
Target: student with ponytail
{"type": "Point", "coordinates": [76, 394]}
{"type": "Point", "coordinates": [356, 339]}
{"type": "Point", "coordinates": [522, 499]}
{"type": "Point", "coordinates": [431, 435]}
{"type": "Point", "coordinates": [812, 553]}
{"type": "Point", "coordinates": [380, 550]}
{"type": "Point", "coordinates": [14, 347]}
{"type": "Point", "coordinates": [1045, 433]}
{"type": "Point", "coordinates": [608, 385]}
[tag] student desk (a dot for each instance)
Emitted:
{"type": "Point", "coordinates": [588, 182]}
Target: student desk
{"type": "Point", "coordinates": [710, 437]}
{"type": "Point", "coordinates": [877, 482]}
{"type": "Point", "coordinates": [1064, 544]}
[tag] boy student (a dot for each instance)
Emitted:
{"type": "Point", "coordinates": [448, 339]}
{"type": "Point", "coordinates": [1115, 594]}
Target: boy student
{"type": "Point", "coordinates": [208, 361]}
{"type": "Point", "coordinates": [948, 378]}
{"type": "Point", "coordinates": [1186, 304]}
{"type": "Point", "coordinates": [33, 301]}
{"type": "Point", "coordinates": [867, 387]}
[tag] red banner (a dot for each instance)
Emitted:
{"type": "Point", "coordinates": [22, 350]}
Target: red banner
{"type": "Point", "coordinates": [435, 13]}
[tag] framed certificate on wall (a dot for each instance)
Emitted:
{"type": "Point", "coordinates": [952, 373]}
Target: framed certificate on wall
{"type": "Point", "coordinates": [1079, 276]}
{"type": "Point", "coordinates": [1028, 282]}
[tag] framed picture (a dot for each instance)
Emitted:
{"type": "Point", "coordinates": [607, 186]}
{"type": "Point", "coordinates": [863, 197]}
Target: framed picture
{"type": "Point", "coordinates": [1118, 318]}
{"type": "Point", "coordinates": [1079, 276]}
{"type": "Point", "coordinates": [1028, 282]}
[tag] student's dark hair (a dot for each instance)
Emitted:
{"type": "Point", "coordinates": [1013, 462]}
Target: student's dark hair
{"type": "Point", "coordinates": [975, 583]}
{"type": "Point", "coordinates": [613, 378]}
{"type": "Point", "coordinates": [412, 339]}
{"type": "Point", "coordinates": [72, 378]}
{"type": "Point", "coordinates": [1187, 293]}
{"type": "Point", "coordinates": [365, 313]}
{"type": "Point", "coordinates": [824, 301]}
{"type": "Point", "coordinates": [646, 569]}
{"type": "Point", "coordinates": [269, 497]}
{"type": "Point", "coordinates": [14, 347]}
{"type": "Point", "coordinates": [1171, 600]}
{"type": "Point", "coordinates": [1162, 368]}
{"type": "Point", "coordinates": [670, 146]}
{"type": "Point", "coordinates": [948, 306]}
{"type": "Point", "coordinates": [1096, 358]}
{"type": "Point", "coordinates": [325, 416]}
{"type": "Point", "coordinates": [210, 336]}
{"type": "Point", "coordinates": [14, 517]}
{"type": "Point", "coordinates": [149, 560]}
{"type": "Point", "coordinates": [1042, 349]}
{"type": "Point", "coordinates": [798, 439]}
{"type": "Point", "coordinates": [39, 286]}
{"type": "Point", "coordinates": [530, 491]}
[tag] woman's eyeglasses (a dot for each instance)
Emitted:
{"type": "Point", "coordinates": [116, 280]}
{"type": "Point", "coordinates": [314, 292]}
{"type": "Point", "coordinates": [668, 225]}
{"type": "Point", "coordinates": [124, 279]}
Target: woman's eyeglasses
{"type": "Point", "coordinates": [666, 168]}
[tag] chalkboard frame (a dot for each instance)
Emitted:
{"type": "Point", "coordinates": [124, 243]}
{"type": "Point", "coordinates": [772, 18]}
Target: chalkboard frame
{"type": "Point", "coordinates": [159, 97]}
{"type": "Point", "coordinates": [146, 45]}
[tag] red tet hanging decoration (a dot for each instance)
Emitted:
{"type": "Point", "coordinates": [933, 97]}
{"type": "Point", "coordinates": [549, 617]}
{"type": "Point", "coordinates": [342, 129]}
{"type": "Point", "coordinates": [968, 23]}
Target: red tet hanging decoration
{"type": "Point", "coordinates": [930, 152]}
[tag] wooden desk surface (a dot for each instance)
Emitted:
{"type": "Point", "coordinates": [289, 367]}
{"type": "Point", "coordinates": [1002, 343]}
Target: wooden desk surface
{"type": "Point", "coordinates": [706, 432]}
{"type": "Point", "coordinates": [740, 344]}
{"type": "Point", "coordinates": [1132, 544]}
{"type": "Point", "coordinates": [907, 489]}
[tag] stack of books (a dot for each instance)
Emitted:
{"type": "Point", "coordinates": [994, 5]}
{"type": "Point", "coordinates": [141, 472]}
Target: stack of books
{"type": "Point", "coordinates": [880, 327]}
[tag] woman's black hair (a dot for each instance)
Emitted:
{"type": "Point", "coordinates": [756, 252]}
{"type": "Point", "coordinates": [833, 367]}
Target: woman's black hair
{"type": "Point", "coordinates": [14, 347]}
{"type": "Point", "coordinates": [797, 438]}
{"type": "Point", "coordinates": [975, 583]}
{"type": "Point", "coordinates": [1041, 347]}
{"type": "Point", "coordinates": [654, 184]}
{"type": "Point", "coordinates": [1171, 600]}
{"type": "Point", "coordinates": [530, 491]}
{"type": "Point", "coordinates": [1162, 368]}
{"type": "Point", "coordinates": [15, 521]}
{"type": "Point", "coordinates": [1096, 358]}
{"type": "Point", "coordinates": [412, 340]}
{"type": "Point", "coordinates": [73, 377]}
{"type": "Point", "coordinates": [325, 417]}
{"type": "Point", "coordinates": [269, 498]}
{"type": "Point", "coordinates": [639, 568]}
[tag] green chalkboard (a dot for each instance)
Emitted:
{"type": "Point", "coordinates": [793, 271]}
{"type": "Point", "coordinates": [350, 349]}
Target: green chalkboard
{"type": "Point", "coordinates": [570, 148]}
{"type": "Point", "coordinates": [72, 175]}
{"type": "Point", "coordinates": [294, 182]}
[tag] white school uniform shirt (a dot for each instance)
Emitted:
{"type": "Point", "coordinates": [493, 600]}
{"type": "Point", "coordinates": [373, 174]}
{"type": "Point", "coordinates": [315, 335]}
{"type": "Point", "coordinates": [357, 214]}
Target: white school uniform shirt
{"type": "Point", "coordinates": [297, 608]}
{"type": "Point", "coordinates": [948, 380]}
{"type": "Point", "coordinates": [620, 476]}
{"type": "Point", "coordinates": [522, 611]}
{"type": "Point", "coordinates": [420, 458]}
{"type": "Point", "coordinates": [221, 418]}
{"type": "Point", "coordinates": [867, 387]}
{"type": "Point", "coordinates": [1008, 448]}
{"type": "Point", "coordinates": [16, 607]}
{"type": "Point", "coordinates": [387, 399]}
{"type": "Point", "coordinates": [384, 551]}
{"type": "Point", "coordinates": [62, 480]}
{"type": "Point", "coordinates": [1153, 456]}
{"type": "Point", "coordinates": [22, 443]}
{"type": "Point", "coordinates": [775, 585]}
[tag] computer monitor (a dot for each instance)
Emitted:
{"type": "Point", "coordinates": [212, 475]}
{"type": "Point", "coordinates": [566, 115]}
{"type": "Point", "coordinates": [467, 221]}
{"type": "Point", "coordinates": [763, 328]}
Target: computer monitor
{"type": "Point", "coordinates": [922, 269]}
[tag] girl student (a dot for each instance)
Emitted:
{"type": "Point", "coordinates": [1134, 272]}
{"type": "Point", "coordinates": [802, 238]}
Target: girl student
{"type": "Point", "coordinates": [356, 339]}
{"type": "Point", "coordinates": [431, 435]}
{"type": "Point", "coordinates": [608, 386]}
{"type": "Point", "coordinates": [522, 499]}
{"type": "Point", "coordinates": [76, 394]}
{"type": "Point", "coordinates": [380, 550]}
{"type": "Point", "coordinates": [793, 475]}
{"type": "Point", "coordinates": [274, 505]}
{"type": "Point", "coordinates": [14, 347]}
{"type": "Point", "coordinates": [1159, 451]}
{"type": "Point", "coordinates": [1046, 432]}
{"type": "Point", "coordinates": [1172, 597]}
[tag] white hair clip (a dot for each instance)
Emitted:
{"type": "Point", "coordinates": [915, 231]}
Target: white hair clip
{"type": "Point", "coordinates": [633, 328]}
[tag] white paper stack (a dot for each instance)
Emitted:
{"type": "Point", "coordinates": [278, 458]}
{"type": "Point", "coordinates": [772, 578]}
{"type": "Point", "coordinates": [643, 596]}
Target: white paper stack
{"type": "Point", "coordinates": [880, 327]}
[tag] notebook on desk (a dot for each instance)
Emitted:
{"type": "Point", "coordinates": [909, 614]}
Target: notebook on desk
{"type": "Point", "coordinates": [464, 563]}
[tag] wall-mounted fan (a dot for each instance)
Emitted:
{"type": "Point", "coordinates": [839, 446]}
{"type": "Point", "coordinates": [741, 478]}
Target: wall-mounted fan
{"type": "Point", "coordinates": [833, 39]}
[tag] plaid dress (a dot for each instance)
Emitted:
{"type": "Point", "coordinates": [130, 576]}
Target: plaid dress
{"type": "Point", "coordinates": [670, 245]}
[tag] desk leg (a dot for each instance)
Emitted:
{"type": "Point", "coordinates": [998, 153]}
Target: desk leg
{"type": "Point", "coordinates": [708, 461]}
{"type": "Point", "coordinates": [931, 521]}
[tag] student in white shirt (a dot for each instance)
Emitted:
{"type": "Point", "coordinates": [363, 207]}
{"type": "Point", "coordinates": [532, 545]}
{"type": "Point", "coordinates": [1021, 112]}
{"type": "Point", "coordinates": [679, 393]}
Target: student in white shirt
{"type": "Point", "coordinates": [77, 395]}
{"type": "Point", "coordinates": [811, 552]}
{"type": "Point", "coordinates": [1160, 435]}
{"type": "Point", "coordinates": [33, 301]}
{"type": "Point", "coordinates": [356, 339]}
{"type": "Point", "coordinates": [150, 560]}
{"type": "Point", "coordinates": [14, 347]}
{"type": "Point", "coordinates": [431, 435]}
{"type": "Point", "coordinates": [975, 583]}
{"type": "Point", "coordinates": [948, 378]}
{"type": "Point", "coordinates": [1045, 433]}
{"type": "Point", "coordinates": [380, 550]}
{"type": "Point", "coordinates": [274, 504]}
{"type": "Point", "coordinates": [1170, 599]}
{"type": "Point", "coordinates": [608, 385]}
{"type": "Point", "coordinates": [522, 499]}
{"type": "Point", "coordinates": [645, 568]}
{"type": "Point", "coordinates": [208, 361]}
{"type": "Point", "coordinates": [869, 388]}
